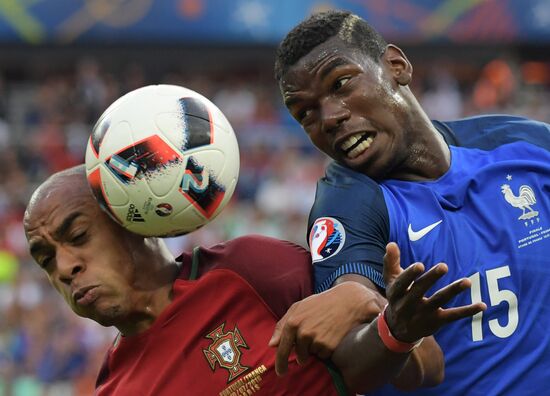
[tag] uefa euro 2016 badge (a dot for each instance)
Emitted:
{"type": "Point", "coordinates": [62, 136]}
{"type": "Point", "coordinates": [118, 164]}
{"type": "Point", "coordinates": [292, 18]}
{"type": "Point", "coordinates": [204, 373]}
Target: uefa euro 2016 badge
{"type": "Point", "coordinates": [326, 238]}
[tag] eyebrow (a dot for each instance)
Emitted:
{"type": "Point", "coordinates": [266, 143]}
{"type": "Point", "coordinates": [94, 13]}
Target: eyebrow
{"type": "Point", "coordinates": [332, 64]}
{"type": "Point", "coordinates": [329, 67]}
{"type": "Point", "coordinates": [66, 225]}
{"type": "Point", "coordinates": [37, 247]}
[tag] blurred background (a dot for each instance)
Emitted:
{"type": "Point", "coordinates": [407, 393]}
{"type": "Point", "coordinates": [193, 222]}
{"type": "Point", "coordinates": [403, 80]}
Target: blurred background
{"type": "Point", "coordinates": [62, 62]}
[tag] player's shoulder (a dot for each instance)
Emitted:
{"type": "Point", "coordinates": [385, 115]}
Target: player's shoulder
{"type": "Point", "coordinates": [348, 200]}
{"type": "Point", "coordinates": [254, 250]}
{"type": "Point", "coordinates": [259, 242]}
{"type": "Point", "coordinates": [339, 176]}
{"type": "Point", "coordinates": [343, 186]}
{"type": "Point", "coordinates": [244, 254]}
{"type": "Point", "coordinates": [279, 271]}
{"type": "Point", "coordinates": [343, 190]}
{"type": "Point", "coordinates": [488, 132]}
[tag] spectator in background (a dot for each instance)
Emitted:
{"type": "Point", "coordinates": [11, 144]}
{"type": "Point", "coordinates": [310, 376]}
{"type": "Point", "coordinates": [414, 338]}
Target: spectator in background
{"type": "Point", "coordinates": [442, 99]}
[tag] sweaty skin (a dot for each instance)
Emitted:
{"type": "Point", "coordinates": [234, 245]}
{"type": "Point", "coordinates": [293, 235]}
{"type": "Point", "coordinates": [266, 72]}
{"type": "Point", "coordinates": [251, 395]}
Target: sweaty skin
{"type": "Point", "coordinates": [335, 93]}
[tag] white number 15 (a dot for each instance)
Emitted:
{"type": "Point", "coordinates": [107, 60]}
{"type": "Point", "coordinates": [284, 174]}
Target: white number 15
{"type": "Point", "coordinates": [496, 296]}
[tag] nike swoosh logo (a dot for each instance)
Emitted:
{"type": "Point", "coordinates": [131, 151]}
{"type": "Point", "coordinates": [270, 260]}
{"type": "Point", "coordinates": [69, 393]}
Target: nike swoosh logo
{"type": "Point", "coordinates": [416, 235]}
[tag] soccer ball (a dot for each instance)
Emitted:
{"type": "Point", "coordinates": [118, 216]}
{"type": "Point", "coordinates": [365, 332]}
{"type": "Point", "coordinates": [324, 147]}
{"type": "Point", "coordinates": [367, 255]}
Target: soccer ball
{"type": "Point", "coordinates": [162, 160]}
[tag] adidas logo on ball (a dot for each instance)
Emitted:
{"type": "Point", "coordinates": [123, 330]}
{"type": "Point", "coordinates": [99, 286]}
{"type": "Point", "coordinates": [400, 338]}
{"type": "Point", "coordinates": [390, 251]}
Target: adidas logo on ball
{"type": "Point", "coordinates": [134, 215]}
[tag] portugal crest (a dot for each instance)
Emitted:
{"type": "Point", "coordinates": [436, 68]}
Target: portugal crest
{"type": "Point", "coordinates": [225, 351]}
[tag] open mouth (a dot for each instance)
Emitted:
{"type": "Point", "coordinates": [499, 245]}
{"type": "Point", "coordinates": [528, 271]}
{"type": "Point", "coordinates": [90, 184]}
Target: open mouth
{"type": "Point", "coordinates": [356, 144]}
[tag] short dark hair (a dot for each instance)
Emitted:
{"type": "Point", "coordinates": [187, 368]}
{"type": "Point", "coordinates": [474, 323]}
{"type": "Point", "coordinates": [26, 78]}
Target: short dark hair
{"type": "Point", "coordinates": [320, 27]}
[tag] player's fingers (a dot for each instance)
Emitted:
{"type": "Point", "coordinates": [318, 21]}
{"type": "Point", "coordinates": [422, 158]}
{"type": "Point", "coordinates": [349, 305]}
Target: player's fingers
{"type": "Point", "coordinates": [302, 349]}
{"type": "Point", "coordinates": [276, 337]}
{"type": "Point", "coordinates": [392, 263]}
{"type": "Point", "coordinates": [452, 314]}
{"type": "Point", "coordinates": [321, 351]}
{"type": "Point", "coordinates": [445, 294]}
{"type": "Point", "coordinates": [401, 284]}
{"type": "Point", "coordinates": [286, 343]}
{"type": "Point", "coordinates": [425, 281]}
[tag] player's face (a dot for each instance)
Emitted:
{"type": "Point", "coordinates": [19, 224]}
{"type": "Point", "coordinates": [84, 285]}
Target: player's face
{"type": "Point", "coordinates": [352, 108]}
{"type": "Point", "coordinates": [87, 256]}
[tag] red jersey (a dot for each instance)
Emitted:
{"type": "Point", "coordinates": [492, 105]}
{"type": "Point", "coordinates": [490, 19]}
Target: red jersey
{"type": "Point", "coordinates": [212, 338]}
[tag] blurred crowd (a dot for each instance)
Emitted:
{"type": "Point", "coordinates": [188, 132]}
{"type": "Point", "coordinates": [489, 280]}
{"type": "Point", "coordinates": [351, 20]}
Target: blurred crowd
{"type": "Point", "coordinates": [46, 120]}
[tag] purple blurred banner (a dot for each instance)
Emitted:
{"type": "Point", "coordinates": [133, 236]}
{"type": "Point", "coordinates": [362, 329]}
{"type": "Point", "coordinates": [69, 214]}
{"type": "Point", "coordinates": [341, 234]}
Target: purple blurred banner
{"type": "Point", "coordinates": [266, 21]}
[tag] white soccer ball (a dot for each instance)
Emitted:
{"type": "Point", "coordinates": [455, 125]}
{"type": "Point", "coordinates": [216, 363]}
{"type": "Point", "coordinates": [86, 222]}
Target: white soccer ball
{"type": "Point", "coordinates": [162, 160]}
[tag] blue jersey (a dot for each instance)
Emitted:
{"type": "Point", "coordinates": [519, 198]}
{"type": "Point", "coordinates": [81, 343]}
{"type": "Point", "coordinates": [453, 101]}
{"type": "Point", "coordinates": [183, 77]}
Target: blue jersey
{"type": "Point", "coordinates": [488, 218]}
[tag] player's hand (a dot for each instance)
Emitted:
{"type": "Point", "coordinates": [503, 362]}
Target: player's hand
{"type": "Point", "coordinates": [317, 324]}
{"type": "Point", "coordinates": [410, 314]}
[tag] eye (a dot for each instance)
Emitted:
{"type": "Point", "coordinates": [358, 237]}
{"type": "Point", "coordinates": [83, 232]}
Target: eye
{"type": "Point", "coordinates": [303, 114]}
{"type": "Point", "coordinates": [79, 238]}
{"type": "Point", "coordinates": [44, 262]}
{"type": "Point", "coordinates": [339, 83]}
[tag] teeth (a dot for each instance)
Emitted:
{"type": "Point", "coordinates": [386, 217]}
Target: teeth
{"type": "Point", "coordinates": [351, 141]}
{"type": "Point", "coordinates": [361, 147]}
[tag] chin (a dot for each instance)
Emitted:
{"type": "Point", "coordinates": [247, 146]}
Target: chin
{"type": "Point", "coordinates": [107, 316]}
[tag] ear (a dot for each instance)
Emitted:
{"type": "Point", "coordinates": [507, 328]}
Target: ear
{"type": "Point", "coordinates": [398, 64]}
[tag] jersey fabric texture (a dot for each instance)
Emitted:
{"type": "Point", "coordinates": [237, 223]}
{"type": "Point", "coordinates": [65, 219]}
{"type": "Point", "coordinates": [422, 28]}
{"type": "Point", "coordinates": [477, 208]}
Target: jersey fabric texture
{"type": "Point", "coordinates": [488, 218]}
{"type": "Point", "coordinates": [212, 339]}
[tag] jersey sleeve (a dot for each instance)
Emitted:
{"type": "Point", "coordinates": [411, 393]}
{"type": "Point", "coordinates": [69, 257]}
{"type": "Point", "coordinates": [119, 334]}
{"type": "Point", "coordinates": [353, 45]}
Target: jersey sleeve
{"type": "Point", "coordinates": [348, 228]}
{"type": "Point", "coordinates": [279, 271]}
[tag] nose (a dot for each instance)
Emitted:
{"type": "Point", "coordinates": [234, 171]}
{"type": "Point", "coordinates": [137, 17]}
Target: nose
{"type": "Point", "coordinates": [333, 113]}
{"type": "Point", "coordinates": [68, 265]}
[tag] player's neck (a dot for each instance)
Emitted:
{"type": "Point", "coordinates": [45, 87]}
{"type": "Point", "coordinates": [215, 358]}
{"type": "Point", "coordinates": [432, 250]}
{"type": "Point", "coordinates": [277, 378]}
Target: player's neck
{"type": "Point", "coordinates": [155, 271]}
{"type": "Point", "coordinates": [147, 306]}
{"type": "Point", "coordinates": [429, 158]}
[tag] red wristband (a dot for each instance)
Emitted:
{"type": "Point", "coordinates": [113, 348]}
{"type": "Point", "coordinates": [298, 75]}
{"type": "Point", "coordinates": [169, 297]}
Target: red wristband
{"type": "Point", "coordinates": [389, 340]}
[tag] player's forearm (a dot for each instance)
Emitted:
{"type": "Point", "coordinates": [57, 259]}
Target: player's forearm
{"type": "Point", "coordinates": [364, 361]}
{"type": "Point", "coordinates": [425, 367]}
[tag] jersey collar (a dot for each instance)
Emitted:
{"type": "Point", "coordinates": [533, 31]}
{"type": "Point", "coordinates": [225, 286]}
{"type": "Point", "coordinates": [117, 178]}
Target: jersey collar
{"type": "Point", "coordinates": [447, 133]}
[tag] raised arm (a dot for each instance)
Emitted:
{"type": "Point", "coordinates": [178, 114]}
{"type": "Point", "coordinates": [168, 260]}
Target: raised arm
{"type": "Point", "coordinates": [365, 359]}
